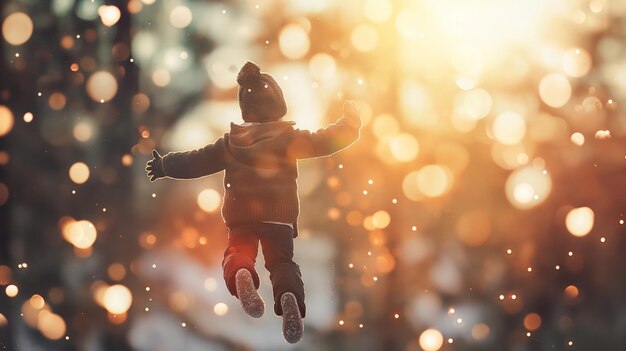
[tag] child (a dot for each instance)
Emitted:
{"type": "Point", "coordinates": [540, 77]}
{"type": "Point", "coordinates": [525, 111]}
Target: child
{"type": "Point", "coordinates": [260, 192]}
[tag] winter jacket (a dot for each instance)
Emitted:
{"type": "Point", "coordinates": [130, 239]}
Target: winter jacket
{"type": "Point", "coordinates": [260, 163]}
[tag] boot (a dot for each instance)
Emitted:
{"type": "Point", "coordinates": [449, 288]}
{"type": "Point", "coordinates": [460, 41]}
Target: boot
{"type": "Point", "coordinates": [293, 328]}
{"type": "Point", "coordinates": [249, 297]}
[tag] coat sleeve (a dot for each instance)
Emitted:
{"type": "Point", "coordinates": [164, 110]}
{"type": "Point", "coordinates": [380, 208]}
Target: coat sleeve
{"type": "Point", "coordinates": [326, 141]}
{"type": "Point", "coordinates": [195, 163]}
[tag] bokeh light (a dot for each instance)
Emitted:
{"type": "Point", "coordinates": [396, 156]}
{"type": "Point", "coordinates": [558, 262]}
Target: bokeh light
{"type": "Point", "coordinates": [579, 221]}
{"type": "Point", "coordinates": [571, 292]}
{"type": "Point", "coordinates": [79, 172]}
{"type": "Point", "coordinates": [473, 105]}
{"type": "Point", "coordinates": [527, 187]}
{"type": "Point", "coordinates": [386, 125]}
{"type": "Point", "coordinates": [410, 188]}
{"type": "Point", "coordinates": [11, 290]}
{"type": "Point", "coordinates": [555, 90]}
{"type": "Point", "coordinates": [101, 86]}
{"type": "Point", "coordinates": [434, 180]}
{"type": "Point", "coordinates": [378, 10]}
{"type": "Point", "coordinates": [364, 38]}
{"type": "Point", "coordinates": [116, 271]}
{"type": "Point", "coordinates": [82, 234]}
{"type": "Point", "coordinates": [576, 62]}
{"type": "Point", "coordinates": [431, 340]}
{"type": "Point", "coordinates": [51, 325]}
{"type": "Point", "coordinates": [220, 309]}
{"type": "Point", "coordinates": [83, 131]}
{"type": "Point", "coordinates": [480, 331]}
{"type": "Point", "coordinates": [6, 120]}
{"type": "Point", "coordinates": [381, 219]}
{"type": "Point", "coordinates": [322, 67]}
{"type": "Point", "coordinates": [577, 138]}
{"type": "Point", "coordinates": [37, 302]}
{"type": "Point", "coordinates": [28, 117]}
{"type": "Point", "coordinates": [57, 101]}
{"type": "Point", "coordinates": [294, 41]}
{"type": "Point", "coordinates": [117, 299]}
{"type": "Point", "coordinates": [532, 321]}
{"type": "Point", "coordinates": [509, 128]}
{"type": "Point", "coordinates": [209, 200]}
{"type": "Point", "coordinates": [161, 77]}
{"type": "Point", "coordinates": [17, 28]}
{"type": "Point", "coordinates": [109, 14]}
{"type": "Point", "coordinates": [180, 16]}
{"type": "Point", "coordinates": [404, 147]}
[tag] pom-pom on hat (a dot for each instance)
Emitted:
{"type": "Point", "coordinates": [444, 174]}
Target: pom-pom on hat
{"type": "Point", "coordinates": [260, 96]}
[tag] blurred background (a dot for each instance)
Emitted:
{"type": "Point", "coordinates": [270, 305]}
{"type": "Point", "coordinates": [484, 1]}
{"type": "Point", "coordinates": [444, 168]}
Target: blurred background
{"type": "Point", "coordinates": [482, 209]}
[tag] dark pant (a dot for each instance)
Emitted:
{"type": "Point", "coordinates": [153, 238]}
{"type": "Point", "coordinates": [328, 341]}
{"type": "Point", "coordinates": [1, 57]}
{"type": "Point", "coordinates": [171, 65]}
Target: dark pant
{"type": "Point", "coordinates": [277, 245]}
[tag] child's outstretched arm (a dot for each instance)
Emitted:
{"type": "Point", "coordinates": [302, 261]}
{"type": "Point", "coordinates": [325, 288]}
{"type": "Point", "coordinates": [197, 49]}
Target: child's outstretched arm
{"type": "Point", "coordinates": [331, 139]}
{"type": "Point", "coordinates": [187, 164]}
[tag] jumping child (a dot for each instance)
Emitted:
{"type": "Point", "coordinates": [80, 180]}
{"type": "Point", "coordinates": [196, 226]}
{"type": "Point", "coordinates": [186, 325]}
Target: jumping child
{"type": "Point", "coordinates": [260, 191]}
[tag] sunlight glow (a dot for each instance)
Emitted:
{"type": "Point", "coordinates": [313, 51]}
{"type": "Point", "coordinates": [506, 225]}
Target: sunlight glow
{"type": "Point", "coordinates": [468, 22]}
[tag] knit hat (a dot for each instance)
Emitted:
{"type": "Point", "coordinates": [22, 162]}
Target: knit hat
{"type": "Point", "coordinates": [260, 96]}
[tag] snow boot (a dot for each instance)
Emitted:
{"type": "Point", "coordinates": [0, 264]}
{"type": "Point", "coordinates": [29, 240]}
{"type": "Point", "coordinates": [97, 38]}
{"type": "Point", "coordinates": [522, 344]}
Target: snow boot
{"type": "Point", "coordinates": [248, 295]}
{"type": "Point", "coordinates": [293, 328]}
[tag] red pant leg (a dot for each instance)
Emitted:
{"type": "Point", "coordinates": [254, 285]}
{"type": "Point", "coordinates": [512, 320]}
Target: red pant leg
{"type": "Point", "coordinates": [240, 253]}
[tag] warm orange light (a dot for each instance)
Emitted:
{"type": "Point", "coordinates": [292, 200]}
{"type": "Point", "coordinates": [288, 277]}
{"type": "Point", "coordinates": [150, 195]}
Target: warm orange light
{"type": "Point", "coordinates": [576, 62]}
{"type": "Point", "coordinates": [322, 67]}
{"type": "Point", "coordinates": [434, 180]}
{"type": "Point", "coordinates": [116, 271]}
{"type": "Point", "coordinates": [83, 131]}
{"type": "Point", "coordinates": [579, 221]}
{"type": "Point", "coordinates": [480, 331]}
{"type": "Point", "coordinates": [532, 321]}
{"type": "Point", "coordinates": [109, 15]}
{"type": "Point", "coordinates": [37, 302]}
{"type": "Point", "coordinates": [294, 41]}
{"type": "Point", "coordinates": [101, 86]}
{"type": "Point", "coordinates": [209, 200]}
{"type": "Point", "coordinates": [571, 291]}
{"type": "Point", "coordinates": [11, 290]}
{"type": "Point", "coordinates": [51, 325]}
{"type": "Point", "coordinates": [17, 28]}
{"type": "Point", "coordinates": [220, 309]}
{"type": "Point", "coordinates": [431, 340]}
{"type": "Point", "coordinates": [404, 147]}
{"type": "Point", "coordinates": [378, 10]}
{"type": "Point", "coordinates": [79, 173]}
{"type": "Point", "coordinates": [364, 37]}
{"type": "Point", "coordinates": [82, 234]}
{"type": "Point", "coordinates": [381, 219]}
{"type": "Point", "coordinates": [6, 120]}
{"type": "Point", "coordinates": [117, 299]}
{"type": "Point", "coordinates": [555, 90]}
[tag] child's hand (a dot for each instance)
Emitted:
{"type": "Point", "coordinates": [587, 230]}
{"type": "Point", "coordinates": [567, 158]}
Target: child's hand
{"type": "Point", "coordinates": [154, 167]}
{"type": "Point", "coordinates": [351, 110]}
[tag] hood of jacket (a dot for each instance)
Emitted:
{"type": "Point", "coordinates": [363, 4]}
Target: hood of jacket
{"type": "Point", "coordinates": [260, 145]}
